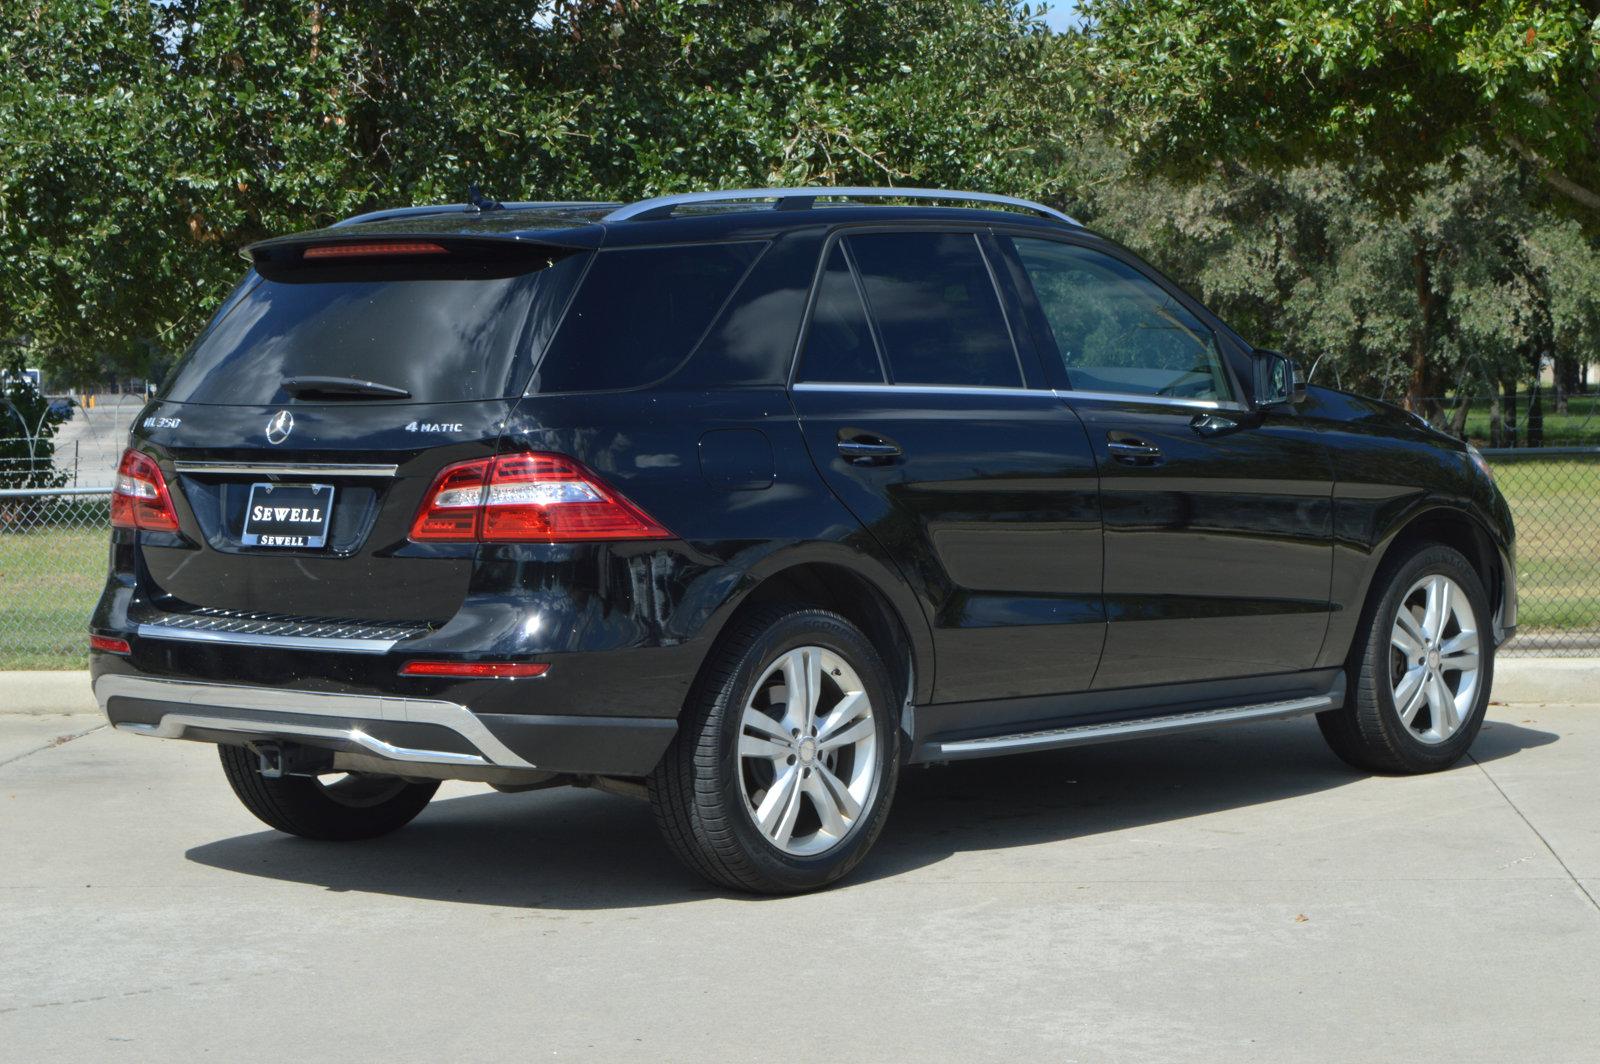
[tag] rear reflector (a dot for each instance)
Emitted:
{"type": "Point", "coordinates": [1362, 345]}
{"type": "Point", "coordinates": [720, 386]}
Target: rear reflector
{"type": "Point", "coordinates": [359, 251]}
{"type": "Point", "coordinates": [481, 670]}
{"type": "Point", "coordinates": [108, 645]}
{"type": "Point", "coordinates": [528, 498]}
{"type": "Point", "coordinates": [140, 499]}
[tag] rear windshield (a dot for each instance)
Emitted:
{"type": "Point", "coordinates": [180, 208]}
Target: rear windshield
{"type": "Point", "coordinates": [440, 339]}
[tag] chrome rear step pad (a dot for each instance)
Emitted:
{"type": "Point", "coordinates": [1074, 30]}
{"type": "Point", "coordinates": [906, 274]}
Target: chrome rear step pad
{"type": "Point", "coordinates": [1084, 734]}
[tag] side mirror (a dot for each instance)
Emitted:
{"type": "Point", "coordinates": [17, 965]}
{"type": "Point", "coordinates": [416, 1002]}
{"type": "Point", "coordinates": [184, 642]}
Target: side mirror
{"type": "Point", "coordinates": [1278, 379]}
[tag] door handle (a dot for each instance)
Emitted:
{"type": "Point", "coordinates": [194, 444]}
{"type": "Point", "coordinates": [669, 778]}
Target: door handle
{"type": "Point", "coordinates": [863, 449]}
{"type": "Point", "coordinates": [1133, 451]}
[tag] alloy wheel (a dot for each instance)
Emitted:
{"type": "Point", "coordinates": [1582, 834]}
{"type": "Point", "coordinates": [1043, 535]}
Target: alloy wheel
{"type": "Point", "coordinates": [1434, 659]}
{"type": "Point", "coordinates": [808, 751]}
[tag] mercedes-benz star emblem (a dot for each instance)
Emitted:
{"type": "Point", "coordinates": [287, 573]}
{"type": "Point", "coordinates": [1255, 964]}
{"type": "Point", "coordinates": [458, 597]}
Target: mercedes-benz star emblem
{"type": "Point", "coordinates": [279, 426]}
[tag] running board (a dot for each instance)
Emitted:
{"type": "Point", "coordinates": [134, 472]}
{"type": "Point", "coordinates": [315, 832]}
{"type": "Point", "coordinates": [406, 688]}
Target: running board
{"type": "Point", "coordinates": [1143, 727]}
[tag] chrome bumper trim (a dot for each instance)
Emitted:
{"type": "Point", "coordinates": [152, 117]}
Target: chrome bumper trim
{"type": "Point", "coordinates": [1130, 729]}
{"type": "Point", "coordinates": [175, 725]}
{"type": "Point", "coordinates": [280, 469]}
{"type": "Point", "coordinates": [252, 639]}
{"type": "Point", "coordinates": [185, 695]}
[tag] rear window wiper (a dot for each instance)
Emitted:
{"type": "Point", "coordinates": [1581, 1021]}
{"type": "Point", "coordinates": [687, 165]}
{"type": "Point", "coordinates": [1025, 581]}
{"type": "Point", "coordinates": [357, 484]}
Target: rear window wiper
{"type": "Point", "coordinates": [341, 388]}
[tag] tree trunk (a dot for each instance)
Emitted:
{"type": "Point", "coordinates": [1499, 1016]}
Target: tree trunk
{"type": "Point", "coordinates": [1418, 389]}
{"type": "Point", "coordinates": [1497, 424]}
{"type": "Point", "coordinates": [1458, 417]}
{"type": "Point", "coordinates": [1536, 409]}
{"type": "Point", "coordinates": [1510, 386]}
{"type": "Point", "coordinates": [1566, 380]}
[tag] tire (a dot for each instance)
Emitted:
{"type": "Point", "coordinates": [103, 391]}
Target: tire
{"type": "Point", "coordinates": [1371, 731]}
{"type": "Point", "coordinates": [721, 773]}
{"type": "Point", "coordinates": [356, 807]}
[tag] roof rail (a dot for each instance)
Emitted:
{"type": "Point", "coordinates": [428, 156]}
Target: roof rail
{"type": "Point", "coordinates": [805, 199]}
{"type": "Point", "coordinates": [462, 208]}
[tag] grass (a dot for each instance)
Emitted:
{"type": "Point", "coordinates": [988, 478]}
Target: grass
{"type": "Point", "coordinates": [50, 577]}
{"type": "Point", "coordinates": [1579, 427]}
{"type": "Point", "coordinates": [1556, 505]}
{"type": "Point", "coordinates": [49, 581]}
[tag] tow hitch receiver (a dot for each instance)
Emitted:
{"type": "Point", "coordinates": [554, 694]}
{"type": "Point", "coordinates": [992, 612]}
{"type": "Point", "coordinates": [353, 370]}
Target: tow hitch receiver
{"type": "Point", "coordinates": [277, 760]}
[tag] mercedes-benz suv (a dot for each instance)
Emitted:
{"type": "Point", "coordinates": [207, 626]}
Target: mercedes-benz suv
{"type": "Point", "coordinates": [743, 501]}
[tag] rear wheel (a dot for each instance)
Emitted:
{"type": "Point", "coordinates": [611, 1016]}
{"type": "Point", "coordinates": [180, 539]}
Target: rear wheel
{"type": "Point", "coordinates": [781, 777]}
{"type": "Point", "coordinates": [1424, 660]}
{"type": "Point", "coordinates": [333, 807]}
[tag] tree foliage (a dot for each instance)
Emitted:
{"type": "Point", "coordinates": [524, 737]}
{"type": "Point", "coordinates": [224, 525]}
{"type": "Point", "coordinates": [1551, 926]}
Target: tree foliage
{"type": "Point", "coordinates": [1395, 85]}
{"type": "Point", "coordinates": [142, 144]}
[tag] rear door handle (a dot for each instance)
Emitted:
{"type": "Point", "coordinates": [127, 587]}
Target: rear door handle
{"type": "Point", "coordinates": [864, 449]}
{"type": "Point", "coordinates": [1133, 451]}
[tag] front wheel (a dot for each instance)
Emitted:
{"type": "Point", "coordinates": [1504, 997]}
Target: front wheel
{"type": "Point", "coordinates": [781, 776]}
{"type": "Point", "coordinates": [1421, 668]}
{"type": "Point", "coordinates": [338, 808]}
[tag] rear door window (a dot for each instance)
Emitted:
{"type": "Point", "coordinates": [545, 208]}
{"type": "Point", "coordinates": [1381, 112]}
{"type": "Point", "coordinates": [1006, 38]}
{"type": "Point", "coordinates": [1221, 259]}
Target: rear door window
{"type": "Point", "coordinates": [839, 344]}
{"type": "Point", "coordinates": [936, 309]}
{"type": "Point", "coordinates": [640, 313]}
{"type": "Point", "coordinates": [442, 339]}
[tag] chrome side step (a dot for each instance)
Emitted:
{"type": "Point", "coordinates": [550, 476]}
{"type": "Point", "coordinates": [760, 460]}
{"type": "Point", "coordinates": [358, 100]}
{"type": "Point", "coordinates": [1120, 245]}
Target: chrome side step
{"type": "Point", "coordinates": [1084, 734]}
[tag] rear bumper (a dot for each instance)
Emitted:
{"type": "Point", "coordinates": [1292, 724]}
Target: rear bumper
{"type": "Point", "coordinates": [393, 728]}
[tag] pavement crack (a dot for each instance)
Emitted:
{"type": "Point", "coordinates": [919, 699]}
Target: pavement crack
{"type": "Point", "coordinates": [1537, 833]}
{"type": "Point", "coordinates": [60, 740]}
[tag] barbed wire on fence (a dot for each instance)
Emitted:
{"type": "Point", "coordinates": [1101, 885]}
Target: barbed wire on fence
{"type": "Point", "coordinates": [53, 549]}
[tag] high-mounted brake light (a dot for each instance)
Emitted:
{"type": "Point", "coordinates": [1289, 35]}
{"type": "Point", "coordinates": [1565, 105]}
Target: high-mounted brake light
{"type": "Point", "coordinates": [528, 498]}
{"type": "Point", "coordinates": [475, 670]}
{"type": "Point", "coordinates": [388, 247]}
{"type": "Point", "coordinates": [140, 499]}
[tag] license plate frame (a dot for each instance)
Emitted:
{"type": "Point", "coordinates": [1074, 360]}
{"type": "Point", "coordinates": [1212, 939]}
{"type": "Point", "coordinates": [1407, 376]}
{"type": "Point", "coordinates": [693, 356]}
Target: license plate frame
{"type": "Point", "coordinates": [295, 530]}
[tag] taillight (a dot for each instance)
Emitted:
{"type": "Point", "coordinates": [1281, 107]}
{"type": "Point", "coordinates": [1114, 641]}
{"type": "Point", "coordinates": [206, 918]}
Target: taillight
{"type": "Point", "coordinates": [109, 645]}
{"type": "Point", "coordinates": [140, 499]}
{"type": "Point", "coordinates": [528, 498]}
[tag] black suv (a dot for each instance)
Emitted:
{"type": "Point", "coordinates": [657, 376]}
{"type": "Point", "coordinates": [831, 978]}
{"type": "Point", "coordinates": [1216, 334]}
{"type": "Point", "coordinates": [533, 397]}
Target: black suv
{"type": "Point", "coordinates": [742, 501]}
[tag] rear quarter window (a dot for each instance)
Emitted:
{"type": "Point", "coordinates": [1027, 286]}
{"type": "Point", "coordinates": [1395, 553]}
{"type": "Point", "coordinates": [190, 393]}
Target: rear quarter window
{"type": "Point", "coordinates": [640, 313]}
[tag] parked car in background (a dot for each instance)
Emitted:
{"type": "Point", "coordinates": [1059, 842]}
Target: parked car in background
{"type": "Point", "coordinates": [743, 501]}
{"type": "Point", "coordinates": [62, 408]}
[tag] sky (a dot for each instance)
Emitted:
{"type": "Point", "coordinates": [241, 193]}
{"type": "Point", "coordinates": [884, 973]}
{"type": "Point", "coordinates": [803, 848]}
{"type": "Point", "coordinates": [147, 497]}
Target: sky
{"type": "Point", "coordinates": [1063, 14]}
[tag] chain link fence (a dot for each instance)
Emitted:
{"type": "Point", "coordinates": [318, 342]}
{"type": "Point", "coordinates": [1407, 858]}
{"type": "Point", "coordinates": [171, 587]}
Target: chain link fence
{"type": "Point", "coordinates": [53, 548]}
{"type": "Point", "coordinates": [53, 555]}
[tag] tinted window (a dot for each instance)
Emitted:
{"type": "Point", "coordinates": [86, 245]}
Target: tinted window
{"type": "Point", "coordinates": [839, 345]}
{"type": "Point", "coordinates": [1118, 331]}
{"type": "Point", "coordinates": [639, 314]}
{"type": "Point", "coordinates": [936, 309]}
{"type": "Point", "coordinates": [442, 340]}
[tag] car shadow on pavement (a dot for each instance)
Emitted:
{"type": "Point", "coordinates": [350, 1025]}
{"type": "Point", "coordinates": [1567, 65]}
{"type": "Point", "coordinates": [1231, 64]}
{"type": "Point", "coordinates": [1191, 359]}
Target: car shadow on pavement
{"type": "Point", "coordinates": [581, 849]}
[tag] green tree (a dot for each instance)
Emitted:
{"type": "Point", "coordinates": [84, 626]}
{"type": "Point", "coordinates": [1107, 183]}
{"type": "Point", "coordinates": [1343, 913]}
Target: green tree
{"type": "Point", "coordinates": [142, 144]}
{"type": "Point", "coordinates": [1395, 85]}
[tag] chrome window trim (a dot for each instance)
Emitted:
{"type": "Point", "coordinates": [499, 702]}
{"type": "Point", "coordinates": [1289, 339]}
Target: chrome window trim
{"type": "Point", "coordinates": [251, 639]}
{"type": "Point", "coordinates": [307, 469]}
{"type": "Point", "coordinates": [1061, 394]}
{"type": "Point", "coordinates": [185, 695]}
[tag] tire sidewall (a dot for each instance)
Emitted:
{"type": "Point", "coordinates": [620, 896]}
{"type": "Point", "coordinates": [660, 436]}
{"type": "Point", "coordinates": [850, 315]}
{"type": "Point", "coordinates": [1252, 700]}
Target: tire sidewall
{"type": "Point", "coordinates": [1441, 561]}
{"type": "Point", "coordinates": [832, 633]}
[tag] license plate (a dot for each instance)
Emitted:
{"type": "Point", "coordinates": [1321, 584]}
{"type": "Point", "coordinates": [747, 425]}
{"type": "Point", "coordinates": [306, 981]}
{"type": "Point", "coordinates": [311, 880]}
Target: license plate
{"type": "Point", "coordinates": [288, 515]}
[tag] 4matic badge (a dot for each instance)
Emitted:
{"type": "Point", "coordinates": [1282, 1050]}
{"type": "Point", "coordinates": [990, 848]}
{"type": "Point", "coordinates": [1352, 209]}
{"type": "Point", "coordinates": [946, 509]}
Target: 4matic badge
{"type": "Point", "coordinates": [435, 426]}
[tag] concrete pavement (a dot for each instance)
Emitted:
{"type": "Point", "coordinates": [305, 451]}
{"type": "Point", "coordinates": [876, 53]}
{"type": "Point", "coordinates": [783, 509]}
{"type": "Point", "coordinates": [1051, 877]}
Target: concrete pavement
{"type": "Point", "coordinates": [1238, 896]}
